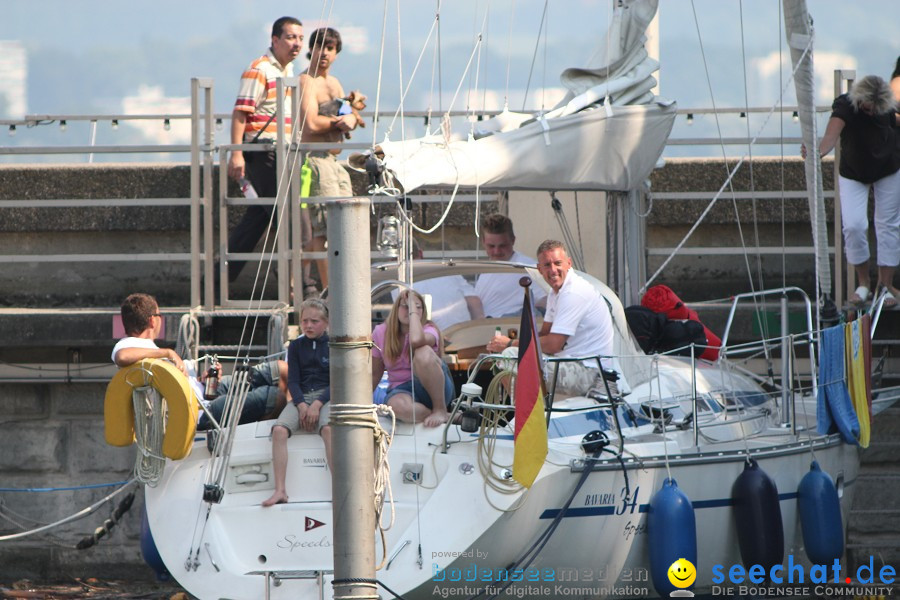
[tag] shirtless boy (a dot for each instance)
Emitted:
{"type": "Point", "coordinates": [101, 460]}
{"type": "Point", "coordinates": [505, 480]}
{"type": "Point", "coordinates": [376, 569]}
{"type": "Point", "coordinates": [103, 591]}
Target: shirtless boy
{"type": "Point", "coordinates": [322, 107]}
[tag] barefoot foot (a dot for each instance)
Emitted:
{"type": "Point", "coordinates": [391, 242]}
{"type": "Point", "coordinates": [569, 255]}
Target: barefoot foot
{"type": "Point", "coordinates": [276, 498]}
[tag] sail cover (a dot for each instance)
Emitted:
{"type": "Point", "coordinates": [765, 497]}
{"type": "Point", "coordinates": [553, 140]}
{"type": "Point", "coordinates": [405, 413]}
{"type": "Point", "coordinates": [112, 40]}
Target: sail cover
{"type": "Point", "coordinates": [799, 32]}
{"type": "Point", "coordinates": [606, 134]}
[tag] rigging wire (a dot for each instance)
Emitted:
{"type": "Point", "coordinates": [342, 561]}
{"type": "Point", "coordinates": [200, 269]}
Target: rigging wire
{"type": "Point", "coordinates": [405, 92]}
{"type": "Point", "coordinates": [781, 149]}
{"type": "Point", "coordinates": [440, 64]}
{"type": "Point", "coordinates": [487, 39]}
{"type": "Point", "coordinates": [759, 269]}
{"type": "Point", "coordinates": [544, 65]}
{"type": "Point", "coordinates": [380, 74]}
{"type": "Point", "coordinates": [73, 517]}
{"type": "Point", "coordinates": [401, 107]}
{"type": "Point", "coordinates": [534, 55]}
{"type": "Point", "coordinates": [729, 180]}
{"type": "Point", "coordinates": [723, 186]}
{"type": "Point", "coordinates": [512, 16]}
{"type": "Point", "coordinates": [482, 38]}
{"type": "Point", "coordinates": [472, 55]}
{"type": "Point", "coordinates": [757, 310]}
{"type": "Point", "coordinates": [446, 117]}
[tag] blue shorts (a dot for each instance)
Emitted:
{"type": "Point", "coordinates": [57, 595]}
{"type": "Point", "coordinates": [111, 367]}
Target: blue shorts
{"type": "Point", "coordinates": [260, 400]}
{"type": "Point", "coordinates": [421, 395]}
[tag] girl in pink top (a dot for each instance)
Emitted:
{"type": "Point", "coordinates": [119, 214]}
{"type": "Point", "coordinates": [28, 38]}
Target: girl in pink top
{"type": "Point", "coordinates": [406, 331]}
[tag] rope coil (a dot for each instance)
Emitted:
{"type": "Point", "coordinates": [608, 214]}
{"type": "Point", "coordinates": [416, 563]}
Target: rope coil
{"type": "Point", "coordinates": [149, 430]}
{"type": "Point", "coordinates": [366, 415]}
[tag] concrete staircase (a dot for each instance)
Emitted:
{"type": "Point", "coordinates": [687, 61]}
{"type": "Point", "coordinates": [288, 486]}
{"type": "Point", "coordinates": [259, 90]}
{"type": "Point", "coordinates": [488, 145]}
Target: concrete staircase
{"type": "Point", "coordinates": [874, 528]}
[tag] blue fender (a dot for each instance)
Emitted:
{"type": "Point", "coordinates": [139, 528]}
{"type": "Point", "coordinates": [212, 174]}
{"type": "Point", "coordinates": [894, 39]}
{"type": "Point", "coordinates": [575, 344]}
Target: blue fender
{"type": "Point", "coordinates": [820, 516]}
{"type": "Point", "coordinates": [149, 551]}
{"type": "Point", "coordinates": [757, 517]}
{"type": "Point", "coordinates": [672, 531]}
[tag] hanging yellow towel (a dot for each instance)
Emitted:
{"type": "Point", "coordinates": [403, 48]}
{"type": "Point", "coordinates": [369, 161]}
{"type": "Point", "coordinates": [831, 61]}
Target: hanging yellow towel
{"type": "Point", "coordinates": [865, 328]}
{"type": "Point", "coordinates": [856, 378]}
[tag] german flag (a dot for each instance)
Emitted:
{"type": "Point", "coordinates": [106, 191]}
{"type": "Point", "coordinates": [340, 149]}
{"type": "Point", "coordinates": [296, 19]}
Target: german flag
{"type": "Point", "coordinates": [531, 424]}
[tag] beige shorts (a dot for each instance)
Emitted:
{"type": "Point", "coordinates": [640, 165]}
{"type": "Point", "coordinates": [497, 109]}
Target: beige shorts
{"type": "Point", "coordinates": [290, 415]}
{"type": "Point", "coordinates": [572, 379]}
{"type": "Point", "coordinates": [329, 179]}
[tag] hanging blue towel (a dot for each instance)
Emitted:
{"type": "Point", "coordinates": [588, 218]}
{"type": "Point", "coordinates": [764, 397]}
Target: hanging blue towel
{"type": "Point", "coordinates": [834, 408]}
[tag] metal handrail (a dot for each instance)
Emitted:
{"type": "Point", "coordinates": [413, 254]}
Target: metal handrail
{"type": "Point", "coordinates": [218, 119]}
{"type": "Point", "coordinates": [39, 119]}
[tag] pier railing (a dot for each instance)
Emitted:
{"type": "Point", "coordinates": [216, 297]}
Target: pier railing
{"type": "Point", "coordinates": [209, 146]}
{"type": "Point", "coordinates": [702, 141]}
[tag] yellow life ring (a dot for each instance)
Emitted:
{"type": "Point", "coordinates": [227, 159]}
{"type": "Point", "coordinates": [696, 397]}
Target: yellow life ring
{"type": "Point", "coordinates": [172, 384]}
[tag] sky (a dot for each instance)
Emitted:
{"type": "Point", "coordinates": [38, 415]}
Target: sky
{"type": "Point", "coordinates": [114, 56]}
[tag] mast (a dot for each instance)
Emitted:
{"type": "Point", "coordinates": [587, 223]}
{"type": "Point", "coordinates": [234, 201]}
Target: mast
{"type": "Point", "coordinates": [799, 33]}
{"type": "Point", "coordinates": [353, 457]}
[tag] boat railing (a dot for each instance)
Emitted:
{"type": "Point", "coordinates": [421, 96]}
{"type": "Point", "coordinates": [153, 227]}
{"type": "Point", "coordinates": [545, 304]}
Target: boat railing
{"type": "Point", "coordinates": [615, 401]}
{"type": "Point", "coordinates": [785, 341]}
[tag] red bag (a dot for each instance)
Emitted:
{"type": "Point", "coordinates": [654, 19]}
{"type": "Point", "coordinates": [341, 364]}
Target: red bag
{"type": "Point", "coordinates": [661, 299]}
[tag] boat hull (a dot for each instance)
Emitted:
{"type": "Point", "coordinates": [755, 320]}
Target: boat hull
{"type": "Point", "coordinates": [598, 548]}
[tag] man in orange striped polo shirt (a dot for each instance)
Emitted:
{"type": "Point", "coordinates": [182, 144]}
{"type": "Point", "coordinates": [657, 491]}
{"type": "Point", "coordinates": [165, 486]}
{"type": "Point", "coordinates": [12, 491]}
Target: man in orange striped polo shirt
{"type": "Point", "coordinates": [253, 121]}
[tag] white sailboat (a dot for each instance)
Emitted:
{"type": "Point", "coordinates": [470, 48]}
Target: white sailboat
{"type": "Point", "coordinates": [460, 526]}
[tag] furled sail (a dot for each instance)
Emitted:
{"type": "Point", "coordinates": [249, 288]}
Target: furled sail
{"type": "Point", "coordinates": [799, 32]}
{"type": "Point", "coordinates": [606, 134]}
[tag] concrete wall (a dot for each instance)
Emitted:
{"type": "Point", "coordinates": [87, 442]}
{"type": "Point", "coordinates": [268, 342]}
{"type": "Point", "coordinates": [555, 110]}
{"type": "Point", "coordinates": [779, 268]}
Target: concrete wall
{"type": "Point", "coordinates": [51, 436]}
{"type": "Point", "coordinates": [127, 230]}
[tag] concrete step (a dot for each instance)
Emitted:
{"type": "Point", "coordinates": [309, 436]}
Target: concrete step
{"type": "Point", "coordinates": [877, 490]}
{"type": "Point", "coordinates": [865, 522]}
{"type": "Point", "coordinates": [885, 447]}
{"type": "Point", "coordinates": [883, 549]}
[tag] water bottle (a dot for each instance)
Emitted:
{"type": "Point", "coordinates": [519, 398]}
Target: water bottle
{"type": "Point", "coordinates": [247, 188]}
{"type": "Point", "coordinates": [212, 379]}
{"type": "Point", "coordinates": [497, 332]}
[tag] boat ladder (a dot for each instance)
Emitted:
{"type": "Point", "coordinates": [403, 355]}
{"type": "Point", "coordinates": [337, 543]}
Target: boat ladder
{"type": "Point", "coordinates": [275, 579]}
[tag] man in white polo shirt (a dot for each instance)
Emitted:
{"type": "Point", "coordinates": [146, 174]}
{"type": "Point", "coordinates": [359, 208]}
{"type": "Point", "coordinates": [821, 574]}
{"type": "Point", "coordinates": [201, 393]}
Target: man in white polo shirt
{"type": "Point", "coordinates": [577, 323]}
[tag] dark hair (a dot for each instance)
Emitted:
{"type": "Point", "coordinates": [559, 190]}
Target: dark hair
{"type": "Point", "coordinates": [498, 224]}
{"type": "Point", "coordinates": [896, 72]}
{"type": "Point", "coordinates": [137, 310]}
{"type": "Point", "coordinates": [278, 26]}
{"type": "Point", "coordinates": [548, 245]}
{"type": "Point", "coordinates": [322, 36]}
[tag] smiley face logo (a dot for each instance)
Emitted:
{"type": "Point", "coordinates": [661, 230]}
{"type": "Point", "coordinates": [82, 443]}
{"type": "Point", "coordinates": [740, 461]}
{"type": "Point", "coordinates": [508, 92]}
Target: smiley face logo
{"type": "Point", "coordinates": [682, 573]}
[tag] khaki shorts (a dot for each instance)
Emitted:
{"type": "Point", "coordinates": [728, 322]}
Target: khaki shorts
{"type": "Point", "coordinates": [290, 415]}
{"type": "Point", "coordinates": [329, 179]}
{"type": "Point", "coordinates": [573, 378]}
